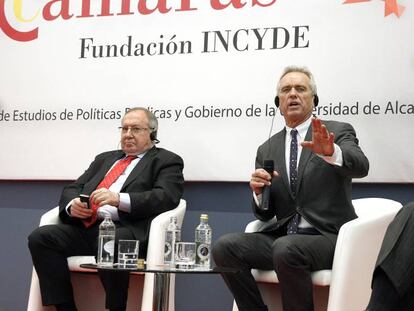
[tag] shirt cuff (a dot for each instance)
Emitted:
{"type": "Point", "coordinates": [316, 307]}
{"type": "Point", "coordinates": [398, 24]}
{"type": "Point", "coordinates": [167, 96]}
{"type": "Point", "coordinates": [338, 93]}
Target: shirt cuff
{"type": "Point", "coordinates": [68, 207]}
{"type": "Point", "coordinates": [257, 198]}
{"type": "Point", "coordinates": [108, 209]}
{"type": "Point", "coordinates": [124, 202]}
{"type": "Point", "coordinates": [335, 158]}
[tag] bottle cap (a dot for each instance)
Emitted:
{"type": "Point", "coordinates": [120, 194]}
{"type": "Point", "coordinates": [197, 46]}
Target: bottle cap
{"type": "Point", "coordinates": [204, 216]}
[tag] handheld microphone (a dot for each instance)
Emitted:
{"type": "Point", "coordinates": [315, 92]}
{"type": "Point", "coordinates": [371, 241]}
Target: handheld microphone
{"type": "Point", "coordinates": [268, 166]}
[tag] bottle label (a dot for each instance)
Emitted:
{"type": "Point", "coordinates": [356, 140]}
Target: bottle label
{"type": "Point", "coordinates": [167, 249]}
{"type": "Point", "coordinates": [109, 247]}
{"type": "Point", "coordinates": [203, 251]}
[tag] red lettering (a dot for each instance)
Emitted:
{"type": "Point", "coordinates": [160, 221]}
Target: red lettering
{"type": "Point", "coordinates": [64, 10]}
{"type": "Point", "coordinates": [105, 8]}
{"type": "Point", "coordinates": [86, 9]}
{"type": "Point", "coordinates": [161, 6]}
{"type": "Point", "coordinates": [13, 33]}
{"type": "Point", "coordinates": [185, 6]}
{"type": "Point", "coordinates": [126, 8]}
{"type": "Point", "coordinates": [60, 8]}
{"type": "Point", "coordinates": [257, 2]}
{"type": "Point", "coordinates": [217, 5]}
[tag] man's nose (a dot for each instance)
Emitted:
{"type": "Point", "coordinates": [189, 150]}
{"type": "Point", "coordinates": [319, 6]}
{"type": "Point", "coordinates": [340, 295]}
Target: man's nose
{"type": "Point", "coordinates": [293, 92]}
{"type": "Point", "coordinates": [129, 132]}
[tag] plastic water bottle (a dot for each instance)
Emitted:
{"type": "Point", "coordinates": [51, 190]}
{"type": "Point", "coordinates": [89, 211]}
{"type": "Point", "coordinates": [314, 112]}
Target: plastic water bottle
{"type": "Point", "coordinates": [203, 235]}
{"type": "Point", "coordinates": [172, 236]}
{"type": "Point", "coordinates": [106, 242]}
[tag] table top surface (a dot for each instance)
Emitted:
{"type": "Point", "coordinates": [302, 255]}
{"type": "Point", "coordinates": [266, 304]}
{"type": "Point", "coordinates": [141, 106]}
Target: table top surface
{"type": "Point", "coordinates": [160, 269]}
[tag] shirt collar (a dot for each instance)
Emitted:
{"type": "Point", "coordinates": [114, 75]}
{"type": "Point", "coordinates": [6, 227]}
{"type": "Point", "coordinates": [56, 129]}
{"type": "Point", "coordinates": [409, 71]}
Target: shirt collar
{"type": "Point", "coordinates": [301, 128]}
{"type": "Point", "coordinates": [140, 155]}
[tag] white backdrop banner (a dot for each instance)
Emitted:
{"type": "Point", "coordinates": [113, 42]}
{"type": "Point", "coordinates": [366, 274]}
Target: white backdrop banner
{"type": "Point", "coordinates": [208, 70]}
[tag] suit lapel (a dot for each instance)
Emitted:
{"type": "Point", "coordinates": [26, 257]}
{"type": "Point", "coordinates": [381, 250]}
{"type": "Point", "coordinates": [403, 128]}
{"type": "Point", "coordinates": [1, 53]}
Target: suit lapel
{"type": "Point", "coordinates": [304, 158]}
{"type": "Point", "coordinates": [107, 164]}
{"type": "Point", "coordinates": [140, 167]}
{"type": "Point", "coordinates": [280, 159]}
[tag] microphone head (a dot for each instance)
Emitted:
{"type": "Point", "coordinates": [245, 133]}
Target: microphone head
{"type": "Point", "coordinates": [268, 166]}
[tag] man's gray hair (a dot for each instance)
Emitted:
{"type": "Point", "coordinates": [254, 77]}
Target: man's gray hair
{"type": "Point", "coordinates": [152, 119]}
{"type": "Point", "coordinates": [303, 70]}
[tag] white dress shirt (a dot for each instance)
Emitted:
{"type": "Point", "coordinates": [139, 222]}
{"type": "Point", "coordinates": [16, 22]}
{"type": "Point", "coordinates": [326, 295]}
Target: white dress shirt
{"type": "Point", "coordinates": [124, 199]}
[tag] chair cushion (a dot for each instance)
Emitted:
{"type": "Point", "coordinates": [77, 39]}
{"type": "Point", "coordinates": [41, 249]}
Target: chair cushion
{"type": "Point", "coordinates": [74, 263]}
{"type": "Point", "coordinates": [320, 278]}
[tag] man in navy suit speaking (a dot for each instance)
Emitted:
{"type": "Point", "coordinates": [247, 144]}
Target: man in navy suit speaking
{"type": "Point", "coordinates": [302, 193]}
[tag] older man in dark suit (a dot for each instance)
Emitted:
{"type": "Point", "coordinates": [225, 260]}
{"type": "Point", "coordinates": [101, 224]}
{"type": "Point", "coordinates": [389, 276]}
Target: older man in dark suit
{"type": "Point", "coordinates": [393, 279]}
{"type": "Point", "coordinates": [310, 199]}
{"type": "Point", "coordinates": [150, 183]}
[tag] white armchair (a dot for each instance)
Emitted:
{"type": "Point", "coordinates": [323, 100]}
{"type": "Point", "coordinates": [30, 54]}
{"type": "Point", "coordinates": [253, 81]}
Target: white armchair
{"type": "Point", "coordinates": [88, 291]}
{"type": "Point", "coordinates": [347, 287]}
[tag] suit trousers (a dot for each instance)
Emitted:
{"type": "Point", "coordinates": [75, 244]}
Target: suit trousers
{"type": "Point", "coordinates": [51, 245]}
{"type": "Point", "coordinates": [397, 253]}
{"type": "Point", "coordinates": [384, 296]}
{"type": "Point", "coordinates": [393, 279]}
{"type": "Point", "coordinates": [293, 257]}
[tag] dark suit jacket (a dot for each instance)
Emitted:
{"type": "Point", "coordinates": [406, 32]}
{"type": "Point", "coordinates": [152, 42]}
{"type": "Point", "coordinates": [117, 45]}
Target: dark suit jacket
{"type": "Point", "coordinates": [396, 257]}
{"type": "Point", "coordinates": [155, 185]}
{"type": "Point", "coordinates": [324, 190]}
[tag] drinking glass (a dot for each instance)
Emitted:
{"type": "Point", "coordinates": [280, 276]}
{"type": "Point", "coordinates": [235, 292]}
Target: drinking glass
{"type": "Point", "coordinates": [128, 251]}
{"type": "Point", "coordinates": [185, 255]}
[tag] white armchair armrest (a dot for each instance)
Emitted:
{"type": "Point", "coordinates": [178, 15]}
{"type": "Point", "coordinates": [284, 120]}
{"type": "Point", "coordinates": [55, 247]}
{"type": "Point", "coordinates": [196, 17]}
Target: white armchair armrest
{"type": "Point", "coordinates": [356, 252]}
{"type": "Point", "coordinates": [50, 217]}
{"type": "Point", "coordinates": [156, 236]}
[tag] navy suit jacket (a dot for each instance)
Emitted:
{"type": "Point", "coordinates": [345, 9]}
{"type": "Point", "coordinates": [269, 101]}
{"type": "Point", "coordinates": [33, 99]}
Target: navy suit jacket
{"type": "Point", "coordinates": [155, 185]}
{"type": "Point", "coordinates": [323, 190]}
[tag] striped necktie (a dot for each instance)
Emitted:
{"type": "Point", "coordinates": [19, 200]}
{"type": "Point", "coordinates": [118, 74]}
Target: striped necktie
{"type": "Point", "coordinates": [109, 179]}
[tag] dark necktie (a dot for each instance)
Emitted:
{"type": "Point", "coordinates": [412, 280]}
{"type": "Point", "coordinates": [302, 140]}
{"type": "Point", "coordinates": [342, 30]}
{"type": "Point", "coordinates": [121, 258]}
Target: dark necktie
{"type": "Point", "coordinates": [293, 161]}
{"type": "Point", "coordinates": [109, 179]}
{"type": "Point", "coordinates": [292, 227]}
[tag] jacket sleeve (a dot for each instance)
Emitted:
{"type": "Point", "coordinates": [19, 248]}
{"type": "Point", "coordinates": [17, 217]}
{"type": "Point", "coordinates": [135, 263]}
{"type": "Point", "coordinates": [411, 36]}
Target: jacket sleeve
{"type": "Point", "coordinates": [161, 191]}
{"type": "Point", "coordinates": [77, 187]}
{"type": "Point", "coordinates": [355, 163]}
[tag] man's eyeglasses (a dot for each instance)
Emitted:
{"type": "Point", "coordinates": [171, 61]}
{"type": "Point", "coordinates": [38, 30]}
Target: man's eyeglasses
{"type": "Point", "coordinates": [134, 129]}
